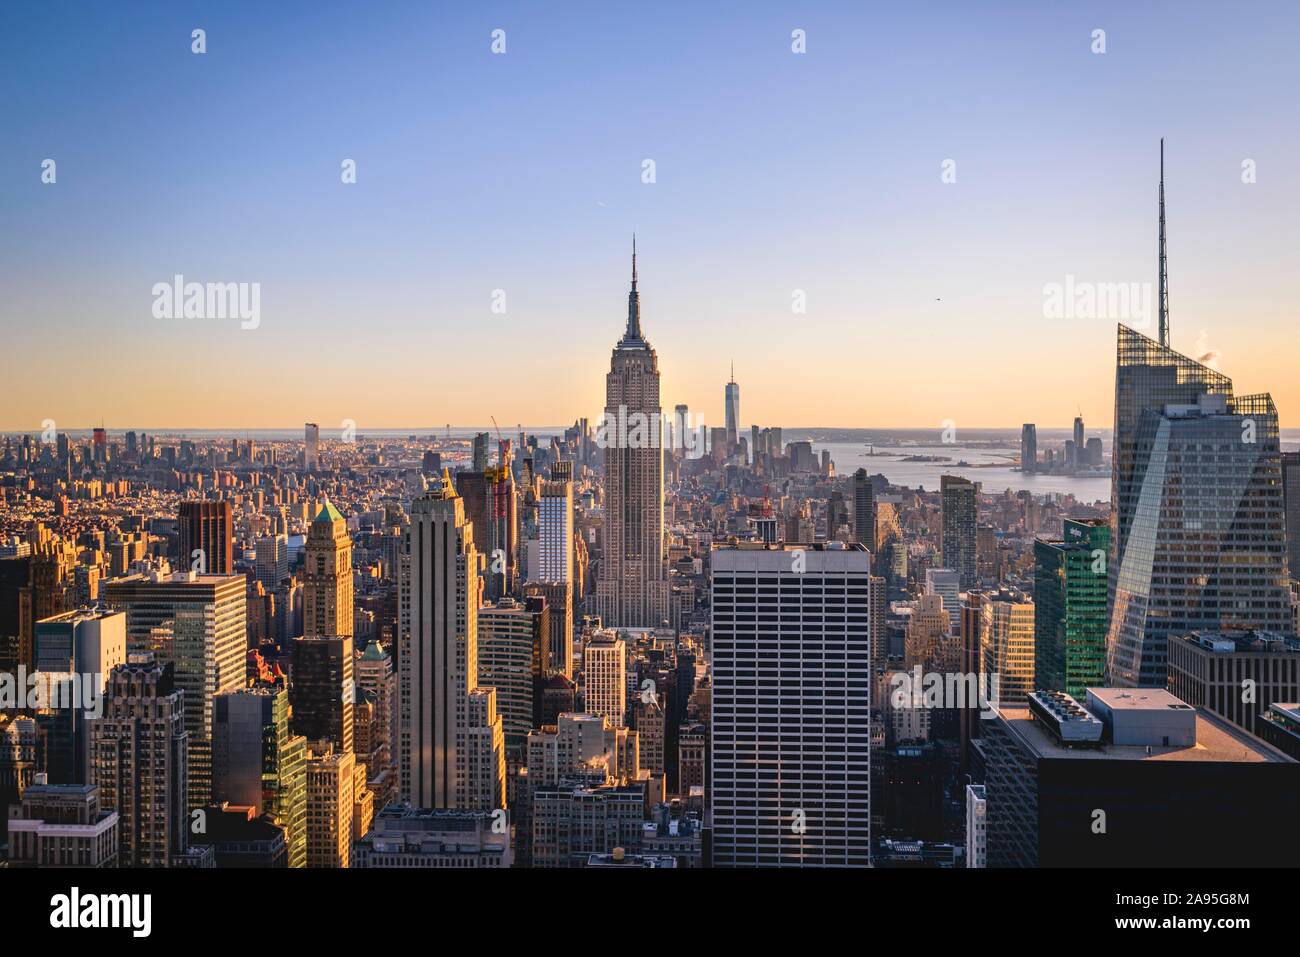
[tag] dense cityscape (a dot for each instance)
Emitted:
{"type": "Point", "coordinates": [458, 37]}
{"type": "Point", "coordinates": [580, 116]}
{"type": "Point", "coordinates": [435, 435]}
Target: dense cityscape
{"type": "Point", "coordinates": [666, 629]}
{"type": "Point", "coordinates": [652, 644]}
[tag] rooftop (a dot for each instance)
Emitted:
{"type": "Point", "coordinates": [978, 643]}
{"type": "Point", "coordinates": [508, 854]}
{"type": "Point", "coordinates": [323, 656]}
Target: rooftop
{"type": "Point", "coordinates": [1216, 740]}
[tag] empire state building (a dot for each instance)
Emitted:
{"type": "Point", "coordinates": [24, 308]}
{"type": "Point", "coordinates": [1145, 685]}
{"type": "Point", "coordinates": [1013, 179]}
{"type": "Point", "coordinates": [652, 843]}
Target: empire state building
{"type": "Point", "coordinates": [632, 588]}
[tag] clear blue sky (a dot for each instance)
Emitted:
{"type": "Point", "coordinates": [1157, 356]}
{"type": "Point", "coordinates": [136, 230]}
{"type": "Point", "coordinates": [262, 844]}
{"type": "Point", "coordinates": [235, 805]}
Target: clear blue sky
{"type": "Point", "coordinates": [521, 172]}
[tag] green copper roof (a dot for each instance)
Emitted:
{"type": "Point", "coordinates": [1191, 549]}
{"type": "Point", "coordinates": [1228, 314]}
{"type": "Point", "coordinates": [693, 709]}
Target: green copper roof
{"type": "Point", "coordinates": [374, 652]}
{"type": "Point", "coordinates": [328, 513]}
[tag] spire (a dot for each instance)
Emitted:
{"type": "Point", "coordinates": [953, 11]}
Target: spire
{"type": "Point", "coordinates": [733, 370]}
{"type": "Point", "coordinates": [1163, 306]}
{"type": "Point", "coordinates": [633, 332]}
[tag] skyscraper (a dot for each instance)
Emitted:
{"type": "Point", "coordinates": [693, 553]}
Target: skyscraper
{"type": "Point", "coordinates": [272, 561]}
{"type": "Point", "coordinates": [311, 451]}
{"type": "Point", "coordinates": [732, 399]}
{"type": "Point", "coordinates": [604, 674]}
{"type": "Point", "coordinates": [322, 691]}
{"type": "Point", "coordinates": [513, 658]}
{"type": "Point", "coordinates": [139, 762]}
{"type": "Point", "coordinates": [1198, 536]}
{"type": "Point", "coordinates": [958, 497]}
{"type": "Point", "coordinates": [864, 510]}
{"type": "Point", "coordinates": [259, 763]}
{"type": "Point", "coordinates": [198, 623]}
{"type": "Point", "coordinates": [943, 582]}
{"type": "Point", "coordinates": [438, 664]}
{"type": "Point", "coordinates": [327, 585]}
{"type": "Point", "coordinates": [1029, 447]}
{"type": "Point", "coordinates": [632, 590]}
{"type": "Point", "coordinates": [1070, 608]}
{"type": "Point", "coordinates": [1007, 644]}
{"type": "Point", "coordinates": [1291, 504]}
{"type": "Point", "coordinates": [791, 712]}
{"type": "Point", "coordinates": [205, 527]}
{"type": "Point", "coordinates": [555, 532]}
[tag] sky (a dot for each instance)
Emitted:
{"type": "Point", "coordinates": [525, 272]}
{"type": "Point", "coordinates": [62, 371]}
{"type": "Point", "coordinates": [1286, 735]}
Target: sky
{"type": "Point", "coordinates": [515, 180]}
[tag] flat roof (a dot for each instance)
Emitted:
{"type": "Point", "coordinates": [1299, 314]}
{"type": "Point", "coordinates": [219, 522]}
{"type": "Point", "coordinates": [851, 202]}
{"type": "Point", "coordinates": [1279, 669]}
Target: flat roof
{"type": "Point", "coordinates": [1138, 699]}
{"type": "Point", "coordinates": [1216, 740]}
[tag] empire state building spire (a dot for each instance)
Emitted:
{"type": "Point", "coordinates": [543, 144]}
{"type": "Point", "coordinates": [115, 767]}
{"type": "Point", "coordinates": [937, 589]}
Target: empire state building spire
{"type": "Point", "coordinates": [633, 333]}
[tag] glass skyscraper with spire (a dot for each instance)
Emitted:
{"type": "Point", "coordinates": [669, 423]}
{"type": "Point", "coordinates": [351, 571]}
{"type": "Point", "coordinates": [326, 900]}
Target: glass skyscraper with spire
{"type": "Point", "coordinates": [1197, 532]}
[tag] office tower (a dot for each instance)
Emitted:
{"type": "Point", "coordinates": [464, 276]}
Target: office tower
{"type": "Point", "coordinates": [692, 761]}
{"type": "Point", "coordinates": [1078, 435]}
{"type": "Point", "coordinates": [1070, 608]}
{"type": "Point", "coordinates": [816, 730]}
{"type": "Point", "coordinates": [322, 692]}
{"type": "Point", "coordinates": [837, 513]}
{"type": "Point", "coordinates": [632, 590]}
{"type": "Point", "coordinates": [1291, 509]}
{"type": "Point", "coordinates": [502, 517]}
{"type": "Point", "coordinates": [928, 630]}
{"type": "Point", "coordinates": [976, 826]}
{"type": "Point", "coordinates": [139, 762]}
{"type": "Point", "coordinates": [958, 496]}
{"type": "Point", "coordinates": [409, 837]}
{"type": "Point", "coordinates": [1237, 675]}
{"type": "Point", "coordinates": [1094, 457]}
{"type": "Point", "coordinates": [375, 676]}
{"type": "Point", "coordinates": [732, 401]}
{"type": "Point", "coordinates": [62, 825]}
{"type": "Point", "coordinates": [197, 623]}
{"type": "Point", "coordinates": [555, 532]}
{"type": "Point", "coordinates": [258, 762]}
{"type": "Point", "coordinates": [944, 582]}
{"type": "Point", "coordinates": [879, 606]}
{"type": "Point", "coordinates": [559, 608]}
{"type": "Point", "coordinates": [1130, 777]}
{"type": "Point", "coordinates": [1007, 644]}
{"type": "Point", "coordinates": [514, 658]}
{"type": "Point", "coordinates": [650, 729]}
{"type": "Point", "coordinates": [53, 588]}
{"type": "Point", "coordinates": [604, 676]}
{"type": "Point", "coordinates": [490, 511]}
{"type": "Point", "coordinates": [87, 641]}
{"type": "Point", "coordinates": [16, 617]}
{"type": "Point", "coordinates": [327, 579]}
{"type": "Point", "coordinates": [272, 561]}
{"type": "Point", "coordinates": [206, 527]}
{"type": "Point", "coordinates": [331, 796]}
{"type": "Point", "coordinates": [801, 457]}
{"type": "Point", "coordinates": [864, 510]}
{"type": "Point", "coordinates": [1198, 536]}
{"type": "Point", "coordinates": [480, 455]}
{"type": "Point", "coordinates": [678, 427]}
{"type": "Point", "coordinates": [311, 451]}
{"type": "Point", "coordinates": [573, 820]}
{"type": "Point", "coordinates": [85, 646]}
{"type": "Point", "coordinates": [1029, 447]}
{"type": "Point", "coordinates": [438, 664]}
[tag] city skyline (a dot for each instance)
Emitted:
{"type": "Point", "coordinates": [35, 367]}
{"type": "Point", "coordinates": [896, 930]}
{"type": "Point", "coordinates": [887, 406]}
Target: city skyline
{"type": "Point", "coordinates": [743, 213]}
{"type": "Point", "coordinates": [251, 620]}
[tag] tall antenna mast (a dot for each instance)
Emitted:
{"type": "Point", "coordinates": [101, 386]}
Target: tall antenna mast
{"type": "Point", "coordinates": [1163, 327]}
